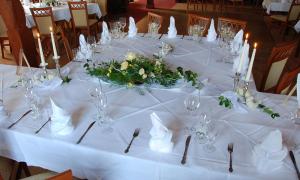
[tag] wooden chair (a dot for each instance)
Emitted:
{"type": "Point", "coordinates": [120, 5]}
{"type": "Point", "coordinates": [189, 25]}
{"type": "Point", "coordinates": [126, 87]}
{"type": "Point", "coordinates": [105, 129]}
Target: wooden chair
{"type": "Point", "coordinates": [67, 46]}
{"type": "Point", "coordinates": [235, 24]}
{"type": "Point", "coordinates": [67, 175]}
{"type": "Point", "coordinates": [196, 5]}
{"type": "Point", "coordinates": [3, 37]}
{"type": "Point", "coordinates": [103, 6]}
{"type": "Point", "coordinates": [236, 2]}
{"type": "Point", "coordinates": [289, 19]}
{"type": "Point", "coordinates": [196, 19]}
{"type": "Point", "coordinates": [276, 64]}
{"type": "Point", "coordinates": [80, 20]}
{"type": "Point", "coordinates": [152, 17]}
{"type": "Point", "coordinates": [287, 81]}
{"type": "Point", "coordinates": [43, 18]}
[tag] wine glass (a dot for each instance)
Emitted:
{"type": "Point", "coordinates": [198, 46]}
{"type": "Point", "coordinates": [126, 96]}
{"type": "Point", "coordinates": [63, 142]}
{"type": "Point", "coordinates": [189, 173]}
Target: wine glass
{"type": "Point", "coordinates": [190, 31]}
{"type": "Point", "coordinates": [32, 99]}
{"type": "Point", "coordinates": [123, 23]}
{"type": "Point", "coordinates": [211, 138]}
{"type": "Point", "coordinates": [91, 41]}
{"type": "Point", "coordinates": [192, 103]}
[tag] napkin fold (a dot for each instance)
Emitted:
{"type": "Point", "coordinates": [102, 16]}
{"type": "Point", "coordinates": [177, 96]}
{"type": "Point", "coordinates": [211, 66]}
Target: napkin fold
{"type": "Point", "coordinates": [61, 122]}
{"type": "Point", "coordinates": [105, 36]}
{"type": "Point", "coordinates": [161, 136]}
{"type": "Point", "coordinates": [298, 90]}
{"type": "Point", "coordinates": [269, 155]}
{"type": "Point", "coordinates": [85, 51]}
{"type": "Point", "coordinates": [233, 97]}
{"type": "Point", "coordinates": [172, 33]}
{"type": "Point", "coordinates": [132, 29]}
{"type": "Point", "coordinates": [48, 85]}
{"type": "Point", "coordinates": [237, 60]}
{"type": "Point", "coordinates": [297, 26]}
{"type": "Point", "coordinates": [237, 42]}
{"type": "Point", "coordinates": [212, 35]}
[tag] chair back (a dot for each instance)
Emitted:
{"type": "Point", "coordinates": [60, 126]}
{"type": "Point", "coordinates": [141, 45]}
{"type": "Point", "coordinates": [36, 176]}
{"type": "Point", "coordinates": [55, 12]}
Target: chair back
{"type": "Point", "coordinates": [66, 45]}
{"type": "Point", "coordinates": [234, 24]}
{"type": "Point", "coordinates": [294, 11]}
{"type": "Point", "coordinates": [43, 18]}
{"type": "Point", "coordinates": [196, 5]}
{"type": "Point", "coordinates": [196, 19]}
{"type": "Point", "coordinates": [287, 81]}
{"type": "Point", "coordinates": [276, 63]}
{"type": "Point", "coordinates": [103, 6]}
{"type": "Point", "coordinates": [3, 29]}
{"type": "Point", "coordinates": [67, 175]}
{"type": "Point", "coordinates": [152, 17]}
{"type": "Point", "coordinates": [79, 13]}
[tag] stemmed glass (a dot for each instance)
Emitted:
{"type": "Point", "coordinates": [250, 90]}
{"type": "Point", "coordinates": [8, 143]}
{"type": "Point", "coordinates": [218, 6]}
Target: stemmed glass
{"type": "Point", "coordinates": [211, 138]}
{"type": "Point", "coordinates": [32, 99]}
{"type": "Point", "coordinates": [192, 103]}
{"type": "Point", "coordinates": [123, 25]}
{"type": "Point", "coordinates": [153, 28]}
{"type": "Point", "coordinates": [91, 41]}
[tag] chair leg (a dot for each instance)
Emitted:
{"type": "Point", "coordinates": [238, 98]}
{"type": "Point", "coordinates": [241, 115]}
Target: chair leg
{"type": "Point", "coordinates": [2, 49]}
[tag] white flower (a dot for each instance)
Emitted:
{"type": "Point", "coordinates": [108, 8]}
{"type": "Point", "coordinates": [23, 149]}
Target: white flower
{"type": "Point", "coordinates": [152, 74]}
{"type": "Point", "coordinates": [144, 76]}
{"type": "Point", "coordinates": [130, 56]}
{"type": "Point", "coordinates": [124, 65]}
{"type": "Point", "coordinates": [157, 63]}
{"type": "Point", "coordinates": [141, 71]}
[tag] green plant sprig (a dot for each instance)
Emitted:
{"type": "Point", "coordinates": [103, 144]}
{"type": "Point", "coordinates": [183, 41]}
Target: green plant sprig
{"type": "Point", "coordinates": [223, 101]}
{"type": "Point", "coordinates": [268, 111]}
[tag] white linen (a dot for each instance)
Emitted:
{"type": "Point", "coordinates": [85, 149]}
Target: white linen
{"type": "Point", "coordinates": [237, 43]}
{"type": "Point", "coordinates": [105, 36]}
{"type": "Point", "coordinates": [172, 33]}
{"type": "Point", "coordinates": [233, 97]}
{"type": "Point", "coordinates": [85, 51]}
{"type": "Point", "coordinates": [237, 60]}
{"type": "Point", "coordinates": [297, 26]}
{"type": "Point", "coordinates": [276, 5]}
{"type": "Point", "coordinates": [3, 112]}
{"type": "Point", "coordinates": [61, 122]}
{"type": "Point", "coordinates": [212, 35]}
{"type": "Point", "coordinates": [132, 30]}
{"type": "Point", "coordinates": [48, 85]}
{"type": "Point", "coordinates": [61, 13]}
{"type": "Point", "coordinates": [268, 156]}
{"type": "Point", "coordinates": [100, 155]}
{"type": "Point", "coordinates": [26, 2]}
{"type": "Point", "coordinates": [161, 136]}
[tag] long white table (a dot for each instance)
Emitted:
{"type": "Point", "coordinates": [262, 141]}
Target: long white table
{"type": "Point", "coordinates": [101, 153]}
{"type": "Point", "coordinates": [277, 5]}
{"type": "Point", "coordinates": [61, 13]}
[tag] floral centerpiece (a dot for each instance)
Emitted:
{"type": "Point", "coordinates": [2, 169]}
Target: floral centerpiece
{"type": "Point", "coordinates": [51, 2]}
{"type": "Point", "coordinates": [138, 70]}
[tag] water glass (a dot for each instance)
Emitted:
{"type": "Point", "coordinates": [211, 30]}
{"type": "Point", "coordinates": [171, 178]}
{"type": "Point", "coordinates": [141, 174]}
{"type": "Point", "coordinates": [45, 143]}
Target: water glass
{"type": "Point", "coordinates": [91, 41]}
{"type": "Point", "coordinates": [211, 138]}
{"type": "Point", "coordinates": [32, 99]}
{"type": "Point", "coordinates": [123, 23]}
{"type": "Point", "coordinates": [192, 104]}
{"type": "Point", "coordinates": [153, 28]}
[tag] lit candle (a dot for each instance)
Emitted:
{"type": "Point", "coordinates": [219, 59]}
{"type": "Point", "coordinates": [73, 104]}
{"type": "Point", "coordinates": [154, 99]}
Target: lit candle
{"type": "Point", "coordinates": [55, 56]}
{"type": "Point", "coordinates": [43, 63]}
{"type": "Point", "coordinates": [239, 70]}
{"type": "Point", "coordinates": [251, 63]}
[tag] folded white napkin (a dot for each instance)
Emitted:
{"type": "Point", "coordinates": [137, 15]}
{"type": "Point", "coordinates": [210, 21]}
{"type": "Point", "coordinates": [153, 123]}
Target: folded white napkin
{"type": "Point", "coordinates": [237, 42]}
{"type": "Point", "coordinates": [132, 30]}
{"type": "Point", "coordinates": [172, 28]}
{"type": "Point", "coordinates": [236, 61]}
{"type": "Point", "coordinates": [268, 11]}
{"type": "Point", "coordinates": [105, 36]}
{"type": "Point", "coordinates": [161, 137]}
{"type": "Point", "coordinates": [61, 122]}
{"type": "Point", "coordinates": [297, 26]}
{"type": "Point", "coordinates": [212, 35]}
{"type": "Point", "coordinates": [269, 155]}
{"type": "Point", "coordinates": [85, 51]}
{"type": "Point", "coordinates": [233, 97]}
{"type": "Point", "coordinates": [298, 90]}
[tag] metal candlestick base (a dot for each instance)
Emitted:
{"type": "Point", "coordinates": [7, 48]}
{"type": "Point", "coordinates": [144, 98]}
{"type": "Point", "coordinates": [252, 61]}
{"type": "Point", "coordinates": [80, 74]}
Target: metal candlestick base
{"type": "Point", "coordinates": [236, 80]}
{"type": "Point", "coordinates": [245, 89]}
{"type": "Point", "coordinates": [45, 73]}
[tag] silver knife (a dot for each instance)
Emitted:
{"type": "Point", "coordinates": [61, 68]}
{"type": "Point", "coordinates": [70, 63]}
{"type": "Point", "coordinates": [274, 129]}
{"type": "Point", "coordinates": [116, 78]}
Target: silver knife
{"type": "Point", "coordinates": [19, 119]}
{"type": "Point", "coordinates": [43, 125]}
{"type": "Point", "coordinates": [161, 36]}
{"type": "Point", "coordinates": [90, 126]}
{"type": "Point", "coordinates": [295, 164]}
{"type": "Point", "coordinates": [187, 143]}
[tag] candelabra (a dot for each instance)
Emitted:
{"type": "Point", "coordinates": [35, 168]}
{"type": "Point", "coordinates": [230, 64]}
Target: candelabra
{"type": "Point", "coordinates": [45, 73]}
{"type": "Point", "coordinates": [245, 89]}
{"type": "Point", "coordinates": [236, 79]}
{"type": "Point", "coordinates": [57, 66]}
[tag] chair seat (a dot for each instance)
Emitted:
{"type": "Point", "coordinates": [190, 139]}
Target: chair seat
{"type": "Point", "coordinates": [41, 176]}
{"type": "Point", "coordinates": [92, 22]}
{"type": "Point", "coordinates": [281, 18]}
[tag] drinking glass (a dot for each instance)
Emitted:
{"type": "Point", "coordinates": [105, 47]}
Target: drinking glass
{"type": "Point", "coordinates": [32, 99]}
{"type": "Point", "coordinates": [91, 41]}
{"type": "Point", "coordinates": [190, 31]}
{"type": "Point", "coordinates": [196, 32]}
{"type": "Point", "coordinates": [211, 138]}
{"type": "Point", "coordinates": [153, 28]}
{"type": "Point", "coordinates": [123, 24]}
{"type": "Point", "coordinates": [192, 104]}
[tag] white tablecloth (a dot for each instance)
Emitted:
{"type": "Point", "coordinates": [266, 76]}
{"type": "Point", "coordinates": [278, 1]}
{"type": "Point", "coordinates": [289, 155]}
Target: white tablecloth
{"type": "Point", "coordinates": [297, 26]}
{"type": "Point", "coordinates": [61, 13]}
{"type": "Point", "coordinates": [100, 154]}
{"type": "Point", "coordinates": [277, 5]}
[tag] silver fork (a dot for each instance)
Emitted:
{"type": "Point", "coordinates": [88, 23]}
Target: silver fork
{"type": "Point", "coordinates": [135, 134]}
{"type": "Point", "coordinates": [230, 150]}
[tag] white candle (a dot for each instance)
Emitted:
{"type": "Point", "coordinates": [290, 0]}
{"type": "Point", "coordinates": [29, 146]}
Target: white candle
{"type": "Point", "coordinates": [251, 63]}
{"type": "Point", "coordinates": [43, 63]}
{"type": "Point", "coordinates": [55, 56]}
{"type": "Point", "coordinates": [239, 70]}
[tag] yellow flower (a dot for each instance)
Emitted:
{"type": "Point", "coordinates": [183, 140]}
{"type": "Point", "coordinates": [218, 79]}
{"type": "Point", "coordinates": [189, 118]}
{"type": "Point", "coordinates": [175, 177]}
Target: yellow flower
{"type": "Point", "coordinates": [152, 74]}
{"type": "Point", "coordinates": [157, 63]}
{"type": "Point", "coordinates": [130, 85]}
{"type": "Point", "coordinates": [108, 74]}
{"type": "Point", "coordinates": [130, 56]}
{"type": "Point", "coordinates": [124, 65]}
{"type": "Point", "coordinates": [141, 71]}
{"type": "Point", "coordinates": [144, 76]}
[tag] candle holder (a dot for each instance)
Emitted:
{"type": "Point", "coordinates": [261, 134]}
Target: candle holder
{"type": "Point", "coordinates": [45, 73]}
{"type": "Point", "coordinates": [57, 66]}
{"type": "Point", "coordinates": [245, 89]}
{"type": "Point", "coordinates": [236, 80]}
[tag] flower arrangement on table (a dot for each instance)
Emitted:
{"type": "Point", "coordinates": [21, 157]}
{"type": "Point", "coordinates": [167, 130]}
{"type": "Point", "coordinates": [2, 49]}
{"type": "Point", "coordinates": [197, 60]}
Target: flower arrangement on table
{"type": "Point", "coordinates": [249, 101]}
{"type": "Point", "coordinates": [51, 2]}
{"type": "Point", "coordinates": [137, 70]}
